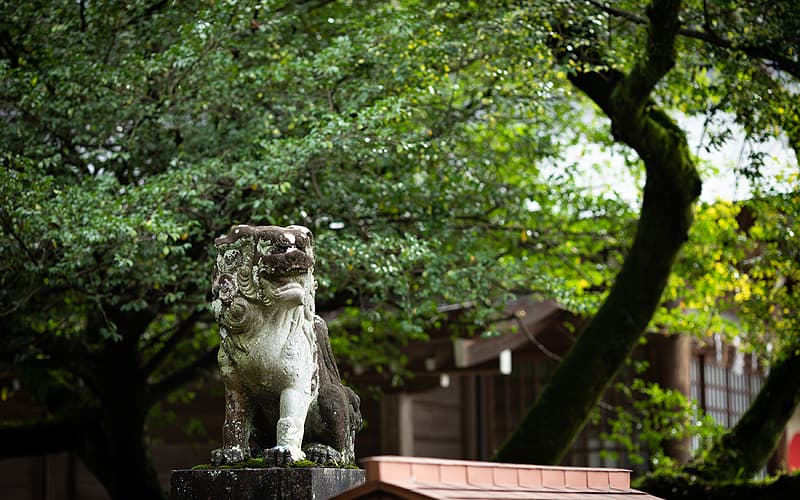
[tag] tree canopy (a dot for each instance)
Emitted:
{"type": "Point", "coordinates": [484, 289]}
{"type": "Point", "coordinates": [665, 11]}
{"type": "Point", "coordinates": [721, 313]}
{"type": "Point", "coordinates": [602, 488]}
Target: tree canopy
{"type": "Point", "coordinates": [424, 144]}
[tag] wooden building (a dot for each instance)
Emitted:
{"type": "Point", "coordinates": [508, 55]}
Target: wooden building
{"type": "Point", "coordinates": [468, 395]}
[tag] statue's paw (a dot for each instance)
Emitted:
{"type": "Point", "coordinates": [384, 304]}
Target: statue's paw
{"type": "Point", "coordinates": [323, 454]}
{"type": "Point", "coordinates": [256, 451]}
{"type": "Point", "coordinates": [227, 456]}
{"type": "Point", "coordinates": [281, 456]}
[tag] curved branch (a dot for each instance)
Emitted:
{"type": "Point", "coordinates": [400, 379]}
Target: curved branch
{"type": "Point", "coordinates": [658, 58]}
{"type": "Point", "coordinates": [671, 188]}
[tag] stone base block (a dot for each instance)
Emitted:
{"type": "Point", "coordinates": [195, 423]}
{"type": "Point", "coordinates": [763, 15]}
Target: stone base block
{"type": "Point", "coordinates": [262, 484]}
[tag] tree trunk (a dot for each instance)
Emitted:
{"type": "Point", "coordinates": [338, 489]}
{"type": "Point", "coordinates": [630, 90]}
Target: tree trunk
{"type": "Point", "coordinates": [116, 451]}
{"type": "Point", "coordinates": [671, 188]}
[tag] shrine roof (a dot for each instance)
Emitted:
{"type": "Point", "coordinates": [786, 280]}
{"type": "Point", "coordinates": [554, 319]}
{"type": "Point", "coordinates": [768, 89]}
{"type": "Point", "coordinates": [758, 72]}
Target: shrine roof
{"type": "Point", "coordinates": [433, 478]}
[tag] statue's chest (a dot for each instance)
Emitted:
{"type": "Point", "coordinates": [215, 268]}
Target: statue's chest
{"type": "Point", "coordinates": [275, 361]}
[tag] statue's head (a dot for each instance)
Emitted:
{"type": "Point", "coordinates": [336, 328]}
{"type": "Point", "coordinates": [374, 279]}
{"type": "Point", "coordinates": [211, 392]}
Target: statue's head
{"type": "Point", "coordinates": [267, 265]}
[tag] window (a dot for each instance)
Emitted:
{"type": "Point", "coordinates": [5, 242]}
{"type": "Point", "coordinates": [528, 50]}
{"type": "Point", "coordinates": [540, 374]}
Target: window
{"type": "Point", "coordinates": [725, 386]}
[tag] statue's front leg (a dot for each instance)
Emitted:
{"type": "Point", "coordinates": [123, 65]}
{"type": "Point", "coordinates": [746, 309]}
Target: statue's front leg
{"type": "Point", "coordinates": [290, 428]}
{"type": "Point", "coordinates": [235, 431]}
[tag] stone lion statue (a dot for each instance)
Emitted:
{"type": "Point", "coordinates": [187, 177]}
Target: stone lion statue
{"type": "Point", "coordinates": [283, 391]}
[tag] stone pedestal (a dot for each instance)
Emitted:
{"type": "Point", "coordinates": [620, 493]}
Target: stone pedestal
{"type": "Point", "coordinates": [262, 484]}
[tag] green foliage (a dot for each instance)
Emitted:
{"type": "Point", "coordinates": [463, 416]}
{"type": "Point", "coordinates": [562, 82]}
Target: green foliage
{"type": "Point", "coordinates": [411, 152]}
{"type": "Point", "coordinates": [737, 277]}
{"type": "Point", "coordinates": [650, 416]}
{"type": "Point", "coordinates": [409, 136]}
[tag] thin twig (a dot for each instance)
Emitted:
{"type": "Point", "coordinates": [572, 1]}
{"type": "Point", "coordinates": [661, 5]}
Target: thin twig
{"type": "Point", "coordinates": [547, 352]}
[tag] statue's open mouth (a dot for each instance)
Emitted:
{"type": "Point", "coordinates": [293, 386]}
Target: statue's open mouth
{"type": "Point", "coordinates": [290, 288]}
{"type": "Point", "coordinates": [292, 285]}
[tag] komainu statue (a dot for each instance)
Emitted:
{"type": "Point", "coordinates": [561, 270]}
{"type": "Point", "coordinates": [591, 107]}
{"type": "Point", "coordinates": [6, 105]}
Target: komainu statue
{"type": "Point", "coordinates": [282, 386]}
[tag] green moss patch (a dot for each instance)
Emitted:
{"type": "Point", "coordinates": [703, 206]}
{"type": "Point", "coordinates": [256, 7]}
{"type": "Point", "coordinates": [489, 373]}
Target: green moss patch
{"type": "Point", "coordinates": [258, 463]}
{"type": "Point", "coordinates": [301, 464]}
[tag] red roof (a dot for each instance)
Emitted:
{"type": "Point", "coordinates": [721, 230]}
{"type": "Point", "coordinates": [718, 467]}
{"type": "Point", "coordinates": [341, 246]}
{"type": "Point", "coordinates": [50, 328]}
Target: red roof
{"type": "Point", "coordinates": [433, 478]}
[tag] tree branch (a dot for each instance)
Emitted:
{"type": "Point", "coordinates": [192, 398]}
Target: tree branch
{"type": "Point", "coordinates": [671, 188]}
{"type": "Point", "coordinates": [9, 228]}
{"type": "Point", "coordinates": [181, 332]}
{"type": "Point", "coordinates": [780, 62]}
{"type": "Point", "coordinates": [82, 14]}
{"type": "Point", "coordinates": [182, 376]}
{"type": "Point", "coordinates": [629, 96]}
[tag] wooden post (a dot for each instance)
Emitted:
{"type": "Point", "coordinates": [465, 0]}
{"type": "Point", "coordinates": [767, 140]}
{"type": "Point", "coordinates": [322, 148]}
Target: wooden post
{"type": "Point", "coordinates": [670, 363]}
{"type": "Point", "coordinates": [397, 430]}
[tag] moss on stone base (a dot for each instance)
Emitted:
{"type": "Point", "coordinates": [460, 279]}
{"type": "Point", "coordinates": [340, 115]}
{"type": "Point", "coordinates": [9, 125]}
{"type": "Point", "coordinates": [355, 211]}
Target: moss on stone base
{"type": "Point", "coordinates": [258, 463]}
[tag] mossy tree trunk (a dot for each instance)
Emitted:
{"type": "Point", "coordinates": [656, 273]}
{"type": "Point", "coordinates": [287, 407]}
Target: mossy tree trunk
{"type": "Point", "coordinates": [745, 449]}
{"type": "Point", "coordinates": [726, 469]}
{"type": "Point", "coordinates": [671, 189]}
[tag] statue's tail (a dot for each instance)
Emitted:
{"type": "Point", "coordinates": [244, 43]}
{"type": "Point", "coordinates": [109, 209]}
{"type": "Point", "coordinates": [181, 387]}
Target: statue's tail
{"type": "Point", "coordinates": [331, 371]}
{"type": "Point", "coordinates": [325, 352]}
{"type": "Point", "coordinates": [349, 402]}
{"type": "Point", "coordinates": [356, 422]}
